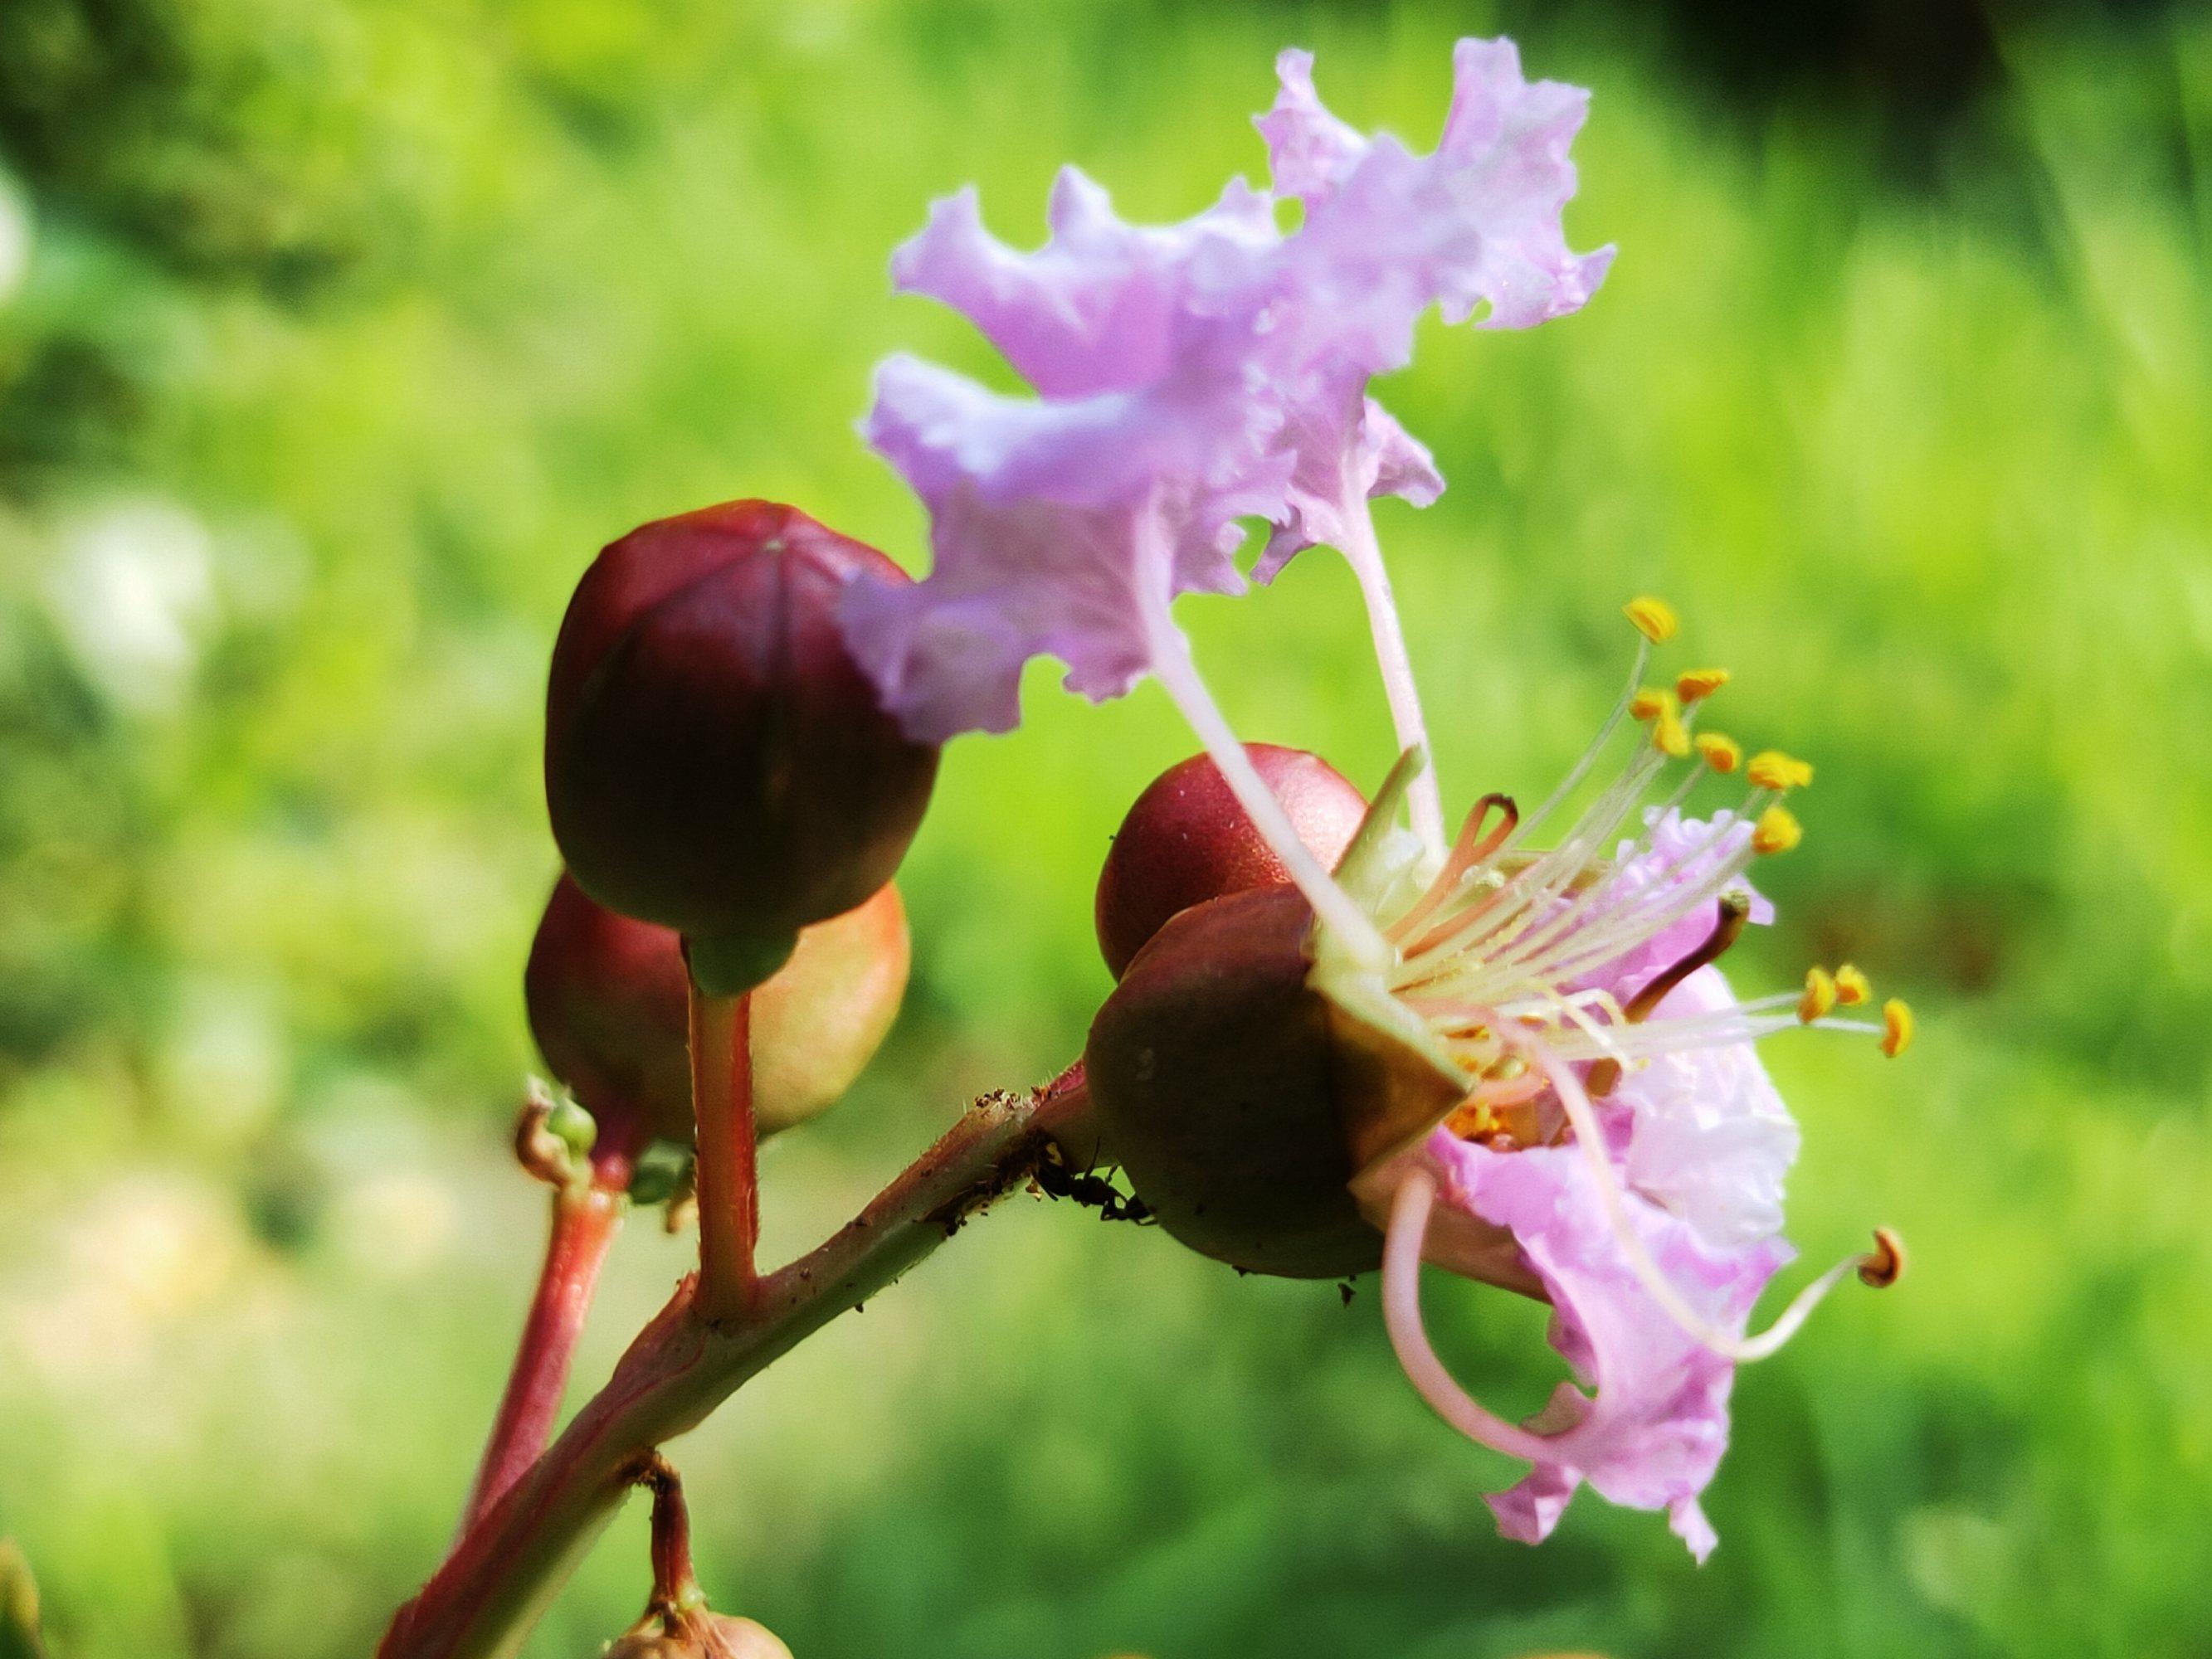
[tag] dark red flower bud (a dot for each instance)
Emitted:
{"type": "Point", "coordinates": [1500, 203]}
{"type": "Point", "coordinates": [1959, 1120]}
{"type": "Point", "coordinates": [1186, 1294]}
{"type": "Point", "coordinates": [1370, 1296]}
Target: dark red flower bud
{"type": "Point", "coordinates": [1187, 840]}
{"type": "Point", "coordinates": [715, 761]}
{"type": "Point", "coordinates": [608, 1003]}
{"type": "Point", "coordinates": [1241, 1101]}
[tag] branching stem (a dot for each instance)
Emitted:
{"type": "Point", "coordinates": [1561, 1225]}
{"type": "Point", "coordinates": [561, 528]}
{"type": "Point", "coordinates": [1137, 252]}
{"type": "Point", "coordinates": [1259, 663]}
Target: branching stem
{"type": "Point", "coordinates": [483, 1602]}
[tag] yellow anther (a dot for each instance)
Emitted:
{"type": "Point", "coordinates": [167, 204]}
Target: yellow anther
{"type": "Point", "coordinates": [1776, 831]}
{"type": "Point", "coordinates": [1851, 986]}
{"type": "Point", "coordinates": [1721, 753]}
{"type": "Point", "coordinates": [1896, 1027]}
{"type": "Point", "coordinates": [1884, 1265]}
{"type": "Point", "coordinates": [1649, 703]}
{"type": "Point", "coordinates": [1772, 769]}
{"type": "Point", "coordinates": [1698, 683]}
{"type": "Point", "coordinates": [1654, 618]}
{"type": "Point", "coordinates": [1820, 999]}
{"type": "Point", "coordinates": [1669, 736]}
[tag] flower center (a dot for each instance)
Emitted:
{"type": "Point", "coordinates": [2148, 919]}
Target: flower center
{"type": "Point", "coordinates": [1577, 948]}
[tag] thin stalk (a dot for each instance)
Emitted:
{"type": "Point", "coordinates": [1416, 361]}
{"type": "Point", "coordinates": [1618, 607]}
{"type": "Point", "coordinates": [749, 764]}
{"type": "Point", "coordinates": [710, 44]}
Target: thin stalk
{"type": "Point", "coordinates": [674, 1584]}
{"type": "Point", "coordinates": [1364, 554]}
{"type": "Point", "coordinates": [727, 1179]}
{"type": "Point", "coordinates": [585, 1220]}
{"type": "Point", "coordinates": [1178, 676]}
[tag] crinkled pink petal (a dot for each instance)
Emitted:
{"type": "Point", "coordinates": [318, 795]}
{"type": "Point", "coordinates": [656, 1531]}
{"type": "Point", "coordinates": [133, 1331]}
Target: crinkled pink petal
{"type": "Point", "coordinates": [1376, 457]}
{"type": "Point", "coordinates": [1103, 305]}
{"type": "Point", "coordinates": [1309, 150]}
{"type": "Point", "coordinates": [1054, 523]}
{"type": "Point", "coordinates": [1485, 207]}
{"type": "Point", "coordinates": [1651, 1432]}
{"type": "Point", "coordinates": [1189, 375]}
{"type": "Point", "coordinates": [1709, 1140]}
{"type": "Point", "coordinates": [1388, 234]}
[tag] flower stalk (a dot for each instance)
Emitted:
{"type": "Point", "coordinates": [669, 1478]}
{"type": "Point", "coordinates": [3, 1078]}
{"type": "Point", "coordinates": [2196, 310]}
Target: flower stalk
{"type": "Point", "coordinates": [674, 1584]}
{"type": "Point", "coordinates": [727, 1173]}
{"type": "Point", "coordinates": [585, 1219]}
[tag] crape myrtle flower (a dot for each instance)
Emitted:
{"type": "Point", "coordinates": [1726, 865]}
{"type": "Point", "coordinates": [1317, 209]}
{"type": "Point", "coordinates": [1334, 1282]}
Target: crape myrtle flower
{"type": "Point", "coordinates": [1191, 376]}
{"type": "Point", "coordinates": [1542, 1080]}
{"type": "Point", "coordinates": [1510, 1057]}
{"type": "Point", "coordinates": [1619, 1150]}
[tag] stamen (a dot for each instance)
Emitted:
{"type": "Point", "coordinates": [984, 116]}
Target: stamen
{"type": "Point", "coordinates": [1695, 684]}
{"type": "Point", "coordinates": [1820, 996]}
{"type": "Point", "coordinates": [1851, 986]}
{"type": "Point", "coordinates": [1410, 1208]}
{"type": "Point", "coordinates": [1884, 1265]}
{"type": "Point", "coordinates": [1722, 753]}
{"type": "Point", "coordinates": [1727, 928]}
{"type": "Point", "coordinates": [1654, 618]}
{"type": "Point", "coordinates": [1896, 1027]}
{"type": "Point", "coordinates": [1469, 850]}
{"type": "Point", "coordinates": [1772, 769]}
{"type": "Point", "coordinates": [1567, 785]}
{"type": "Point", "coordinates": [1733, 912]}
{"type": "Point", "coordinates": [1776, 831]}
{"type": "Point", "coordinates": [1668, 735]}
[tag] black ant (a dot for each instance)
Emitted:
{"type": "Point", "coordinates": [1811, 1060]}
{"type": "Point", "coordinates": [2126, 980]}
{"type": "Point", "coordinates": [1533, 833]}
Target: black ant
{"type": "Point", "coordinates": [1055, 1180]}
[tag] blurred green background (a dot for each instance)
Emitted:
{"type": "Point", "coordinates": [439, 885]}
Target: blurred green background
{"type": "Point", "coordinates": [335, 337]}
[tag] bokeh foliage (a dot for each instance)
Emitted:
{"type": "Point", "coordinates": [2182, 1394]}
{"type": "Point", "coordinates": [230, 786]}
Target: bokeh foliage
{"type": "Point", "coordinates": [335, 337]}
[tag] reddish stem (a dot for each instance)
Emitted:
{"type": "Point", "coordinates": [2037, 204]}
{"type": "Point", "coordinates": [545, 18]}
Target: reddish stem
{"type": "Point", "coordinates": [481, 1603]}
{"type": "Point", "coordinates": [674, 1586]}
{"type": "Point", "coordinates": [585, 1220]}
{"type": "Point", "coordinates": [727, 1181]}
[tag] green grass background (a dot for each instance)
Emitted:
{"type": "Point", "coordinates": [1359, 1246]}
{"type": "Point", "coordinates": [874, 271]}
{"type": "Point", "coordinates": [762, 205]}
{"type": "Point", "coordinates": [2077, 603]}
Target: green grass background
{"type": "Point", "coordinates": [337, 337]}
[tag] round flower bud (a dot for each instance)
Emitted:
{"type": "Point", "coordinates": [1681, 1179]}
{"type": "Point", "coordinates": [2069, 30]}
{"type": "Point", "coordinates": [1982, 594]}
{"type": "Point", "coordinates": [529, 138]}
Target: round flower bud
{"type": "Point", "coordinates": [609, 1005]}
{"type": "Point", "coordinates": [1239, 1100]}
{"type": "Point", "coordinates": [1188, 839]}
{"type": "Point", "coordinates": [699, 1634]}
{"type": "Point", "coordinates": [715, 761]}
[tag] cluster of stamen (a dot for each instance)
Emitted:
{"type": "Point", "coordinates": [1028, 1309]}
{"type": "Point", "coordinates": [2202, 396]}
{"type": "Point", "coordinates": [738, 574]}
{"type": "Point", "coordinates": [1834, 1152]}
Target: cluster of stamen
{"type": "Point", "coordinates": [1497, 954]}
{"type": "Point", "coordinates": [1508, 957]}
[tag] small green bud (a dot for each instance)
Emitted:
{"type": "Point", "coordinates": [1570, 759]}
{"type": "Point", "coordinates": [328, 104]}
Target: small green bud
{"type": "Point", "coordinates": [663, 1168]}
{"type": "Point", "coordinates": [573, 1125]}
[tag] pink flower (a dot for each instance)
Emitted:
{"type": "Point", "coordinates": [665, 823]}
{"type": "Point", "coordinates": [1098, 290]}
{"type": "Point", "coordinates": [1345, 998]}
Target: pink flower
{"type": "Point", "coordinates": [1620, 1152]}
{"type": "Point", "coordinates": [1617, 1149]}
{"type": "Point", "coordinates": [1649, 1432]}
{"type": "Point", "coordinates": [1475, 225]}
{"type": "Point", "coordinates": [1192, 375]}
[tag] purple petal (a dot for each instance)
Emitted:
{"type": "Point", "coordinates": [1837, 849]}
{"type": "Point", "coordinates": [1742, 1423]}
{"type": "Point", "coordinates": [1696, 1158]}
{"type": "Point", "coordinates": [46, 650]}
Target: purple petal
{"type": "Point", "coordinates": [1103, 305]}
{"type": "Point", "coordinates": [1709, 1140]}
{"type": "Point", "coordinates": [1388, 234]}
{"type": "Point", "coordinates": [1364, 455]}
{"type": "Point", "coordinates": [1651, 1432]}
{"type": "Point", "coordinates": [1309, 150]}
{"type": "Point", "coordinates": [1192, 374]}
{"type": "Point", "coordinates": [1054, 526]}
